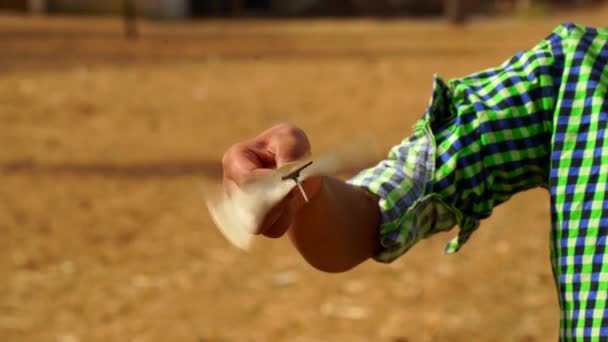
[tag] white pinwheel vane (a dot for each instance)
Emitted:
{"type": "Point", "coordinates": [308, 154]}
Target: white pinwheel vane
{"type": "Point", "coordinates": [239, 214]}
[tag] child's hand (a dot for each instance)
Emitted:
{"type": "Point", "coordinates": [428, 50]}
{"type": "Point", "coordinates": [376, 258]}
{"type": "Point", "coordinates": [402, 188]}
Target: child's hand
{"type": "Point", "coordinates": [273, 148]}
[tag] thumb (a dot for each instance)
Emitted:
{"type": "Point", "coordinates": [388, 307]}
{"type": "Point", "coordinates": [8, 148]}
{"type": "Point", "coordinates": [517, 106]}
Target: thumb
{"type": "Point", "coordinates": [288, 144]}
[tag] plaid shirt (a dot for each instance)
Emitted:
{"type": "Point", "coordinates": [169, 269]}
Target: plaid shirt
{"type": "Point", "coordinates": [539, 120]}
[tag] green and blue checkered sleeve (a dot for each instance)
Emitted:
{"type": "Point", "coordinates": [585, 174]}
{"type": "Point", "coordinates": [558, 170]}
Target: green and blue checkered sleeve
{"type": "Point", "coordinates": [483, 138]}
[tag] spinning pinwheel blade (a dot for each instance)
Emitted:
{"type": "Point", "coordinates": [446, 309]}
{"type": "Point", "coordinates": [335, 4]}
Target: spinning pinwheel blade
{"type": "Point", "coordinates": [239, 214]}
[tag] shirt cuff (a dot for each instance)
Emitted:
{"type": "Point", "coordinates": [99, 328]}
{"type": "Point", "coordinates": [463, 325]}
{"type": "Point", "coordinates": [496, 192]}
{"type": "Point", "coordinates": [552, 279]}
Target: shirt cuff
{"type": "Point", "coordinates": [410, 211]}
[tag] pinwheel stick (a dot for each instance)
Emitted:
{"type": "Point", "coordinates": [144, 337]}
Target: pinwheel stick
{"type": "Point", "coordinates": [294, 175]}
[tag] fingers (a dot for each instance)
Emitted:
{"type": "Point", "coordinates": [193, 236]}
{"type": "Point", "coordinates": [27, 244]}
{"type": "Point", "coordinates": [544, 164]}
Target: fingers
{"type": "Point", "coordinates": [287, 142]}
{"type": "Point", "coordinates": [278, 220]}
{"type": "Point", "coordinates": [273, 148]}
{"type": "Point", "coordinates": [280, 227]}
{"type": "Point", "coordinates": [246, 161]}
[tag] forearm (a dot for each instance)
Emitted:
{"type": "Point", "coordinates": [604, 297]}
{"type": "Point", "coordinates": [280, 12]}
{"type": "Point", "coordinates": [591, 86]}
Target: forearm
{"type": "Point", "coordinates": [338, 229]}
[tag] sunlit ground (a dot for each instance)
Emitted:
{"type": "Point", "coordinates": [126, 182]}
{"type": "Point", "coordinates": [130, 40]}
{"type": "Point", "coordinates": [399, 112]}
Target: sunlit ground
{"type": "Point", "coordinates": [106, 145]}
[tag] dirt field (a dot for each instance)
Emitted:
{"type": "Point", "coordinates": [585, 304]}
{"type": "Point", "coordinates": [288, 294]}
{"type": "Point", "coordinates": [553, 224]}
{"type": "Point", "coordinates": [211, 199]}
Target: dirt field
{"type": "Point", "coordinates": [105, 145]}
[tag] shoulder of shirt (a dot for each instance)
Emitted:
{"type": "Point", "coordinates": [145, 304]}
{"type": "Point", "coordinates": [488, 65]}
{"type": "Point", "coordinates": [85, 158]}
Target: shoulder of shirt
{"type": "Point", "coordinates": [574, 30]}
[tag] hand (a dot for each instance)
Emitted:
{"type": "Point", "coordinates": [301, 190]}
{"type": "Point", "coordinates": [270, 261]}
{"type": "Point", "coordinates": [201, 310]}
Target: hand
{"type": "Point", "coordinates": [273, 148]}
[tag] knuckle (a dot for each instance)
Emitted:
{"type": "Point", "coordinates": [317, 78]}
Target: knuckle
{"type": "Point", "coordinates": [229, 154]}
{"type": "Point", "coordinates": [295, 137]}
{"type": "Point", "coordinates": [290, 130]}
{"type": "Point", "coordinates": [226, 159]}
{"type": "Point", "coordinates": [229, 158]}
{"type": "Point", "coordinates": [292, 143]}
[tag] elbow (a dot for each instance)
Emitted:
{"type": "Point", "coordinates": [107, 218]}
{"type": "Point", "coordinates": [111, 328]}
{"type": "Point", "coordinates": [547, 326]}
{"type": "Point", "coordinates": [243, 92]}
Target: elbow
{"type": "Point", "coordinates": [332, 267]}
{"type": "Point", "coordinates": [332, 264]}
{"type": "Point", "coordinates": [333, 258]}
{"type": "Point", "coordinates": [330, 258]}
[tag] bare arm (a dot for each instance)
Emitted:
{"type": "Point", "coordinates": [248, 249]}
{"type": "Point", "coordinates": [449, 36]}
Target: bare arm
{"type": "Point", "coordinates": [338, 229]}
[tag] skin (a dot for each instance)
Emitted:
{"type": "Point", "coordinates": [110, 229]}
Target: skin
{"type": "Point", "coordinates": [336, 230]}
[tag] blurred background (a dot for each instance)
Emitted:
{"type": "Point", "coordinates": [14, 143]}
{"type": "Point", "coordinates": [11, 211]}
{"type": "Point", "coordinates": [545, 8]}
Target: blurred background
{"type": "Point", "coordinates": [114, 116]}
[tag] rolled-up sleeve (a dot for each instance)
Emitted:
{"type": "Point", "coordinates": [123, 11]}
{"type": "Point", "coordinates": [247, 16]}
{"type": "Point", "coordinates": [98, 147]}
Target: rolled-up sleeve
{"type": "Point", "coordinates": [483, 138]}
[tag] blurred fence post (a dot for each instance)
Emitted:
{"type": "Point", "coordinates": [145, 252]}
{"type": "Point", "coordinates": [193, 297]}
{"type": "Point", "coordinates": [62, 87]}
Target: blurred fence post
{"type": "Point", "coordinates": [455, 11]}
{"type": "Point", "coordinates": [524, 4]}
{"type": "Point", "coordinates": [37, 7]}
{"type": "Point", "coordinates": [129, 15]}
{"type": "Point", "coordinates": [237, 7]}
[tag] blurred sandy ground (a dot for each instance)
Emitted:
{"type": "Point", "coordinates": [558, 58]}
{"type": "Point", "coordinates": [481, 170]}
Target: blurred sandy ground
{"type": "Point", "coordinates": [105, 145]}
